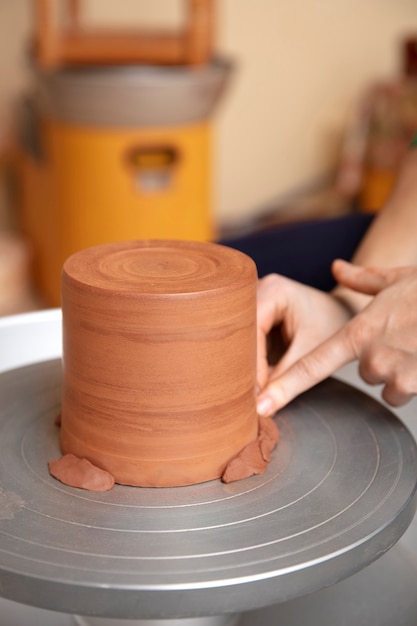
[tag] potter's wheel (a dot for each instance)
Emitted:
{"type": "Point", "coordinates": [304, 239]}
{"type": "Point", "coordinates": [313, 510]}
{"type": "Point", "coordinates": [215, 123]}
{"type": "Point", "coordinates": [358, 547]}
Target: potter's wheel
{"type": "Point", "coordinates": [340, 491]}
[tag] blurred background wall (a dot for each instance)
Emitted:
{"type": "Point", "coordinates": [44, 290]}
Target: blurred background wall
{"type": "Point", "coordinates": [300, 68]}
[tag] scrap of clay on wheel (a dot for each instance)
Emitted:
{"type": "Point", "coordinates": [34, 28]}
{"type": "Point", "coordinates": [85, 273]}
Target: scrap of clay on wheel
{"type": "Point", "coordinates": [76, 472]}
{"type": "Point", "coordinates": [254, 457]}
{"type": "Point", "coordinates": [159, 363]}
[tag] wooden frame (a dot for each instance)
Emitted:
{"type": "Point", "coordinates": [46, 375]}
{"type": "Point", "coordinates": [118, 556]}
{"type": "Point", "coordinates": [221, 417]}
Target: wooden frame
{"type": "Point", "coordinates": [73, 45]}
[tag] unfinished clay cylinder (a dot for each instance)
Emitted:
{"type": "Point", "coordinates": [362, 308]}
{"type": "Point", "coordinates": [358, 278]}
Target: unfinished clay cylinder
{"type": "Point", "coordinates": [159, 359]}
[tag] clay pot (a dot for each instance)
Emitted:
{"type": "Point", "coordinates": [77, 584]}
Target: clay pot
{"type": "Point", "coordinates": [159, 359]}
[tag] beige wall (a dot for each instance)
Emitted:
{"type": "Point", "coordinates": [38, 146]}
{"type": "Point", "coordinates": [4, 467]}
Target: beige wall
{"type": "Point", "coordinates": [301, 64]}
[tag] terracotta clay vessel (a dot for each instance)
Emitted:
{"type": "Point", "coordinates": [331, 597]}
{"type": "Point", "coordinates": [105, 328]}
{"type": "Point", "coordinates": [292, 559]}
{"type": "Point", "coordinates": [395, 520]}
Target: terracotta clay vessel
{"type": "Point", "coordinates": [159, 359]}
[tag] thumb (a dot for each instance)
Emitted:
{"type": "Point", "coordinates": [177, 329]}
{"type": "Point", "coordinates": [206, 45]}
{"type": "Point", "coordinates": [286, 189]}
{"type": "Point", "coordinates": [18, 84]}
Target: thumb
{"type": "Point", "coordinates": [366, 280]}
{"type": "Point", "coordinates": [369, 280]}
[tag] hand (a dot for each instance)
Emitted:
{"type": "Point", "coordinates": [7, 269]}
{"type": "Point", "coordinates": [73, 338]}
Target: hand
{"type": "Point", "coordinates": [304, 317]}
{"type": "Point", "coordinates": [383, 337]}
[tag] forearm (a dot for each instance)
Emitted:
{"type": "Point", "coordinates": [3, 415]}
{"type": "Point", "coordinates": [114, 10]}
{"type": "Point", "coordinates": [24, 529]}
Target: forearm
{"type": "Point", "coordinates": [391, 240]}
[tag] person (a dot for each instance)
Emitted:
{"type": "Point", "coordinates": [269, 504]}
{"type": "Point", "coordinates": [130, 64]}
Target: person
{"type": "Point", "coordinates": [369, 316]}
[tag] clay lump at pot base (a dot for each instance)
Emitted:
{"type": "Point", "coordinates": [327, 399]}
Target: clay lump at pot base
{"type": "Point", "coordinates": [159, 360]}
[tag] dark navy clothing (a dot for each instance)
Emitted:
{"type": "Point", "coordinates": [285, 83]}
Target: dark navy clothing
{"type": "Point", "coordinates": [305, 250]}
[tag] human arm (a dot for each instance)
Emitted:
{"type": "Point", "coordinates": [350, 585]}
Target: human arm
{"type": "Point", "coordinates": [331, 340]}
{"type": "Point", "coordinates": [391, 240]}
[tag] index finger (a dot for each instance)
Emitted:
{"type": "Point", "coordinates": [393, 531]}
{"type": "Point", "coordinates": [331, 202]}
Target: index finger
{"type": "Point", "coordinates": [311, 369]}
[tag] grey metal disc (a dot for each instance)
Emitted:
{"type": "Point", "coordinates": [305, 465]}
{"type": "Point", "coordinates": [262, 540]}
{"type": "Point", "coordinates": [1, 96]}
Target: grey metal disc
{"type": "Point", "coordinates": [339, 491]}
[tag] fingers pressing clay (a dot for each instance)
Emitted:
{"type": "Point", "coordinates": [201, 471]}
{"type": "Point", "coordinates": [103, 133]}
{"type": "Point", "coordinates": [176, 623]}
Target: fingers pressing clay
{"type": "Point", "coordinates": [306, 372]}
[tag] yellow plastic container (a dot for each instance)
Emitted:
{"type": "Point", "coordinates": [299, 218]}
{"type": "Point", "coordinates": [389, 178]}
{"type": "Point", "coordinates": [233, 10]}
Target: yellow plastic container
{"type": "Point", "coordinates": [121, 153]}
